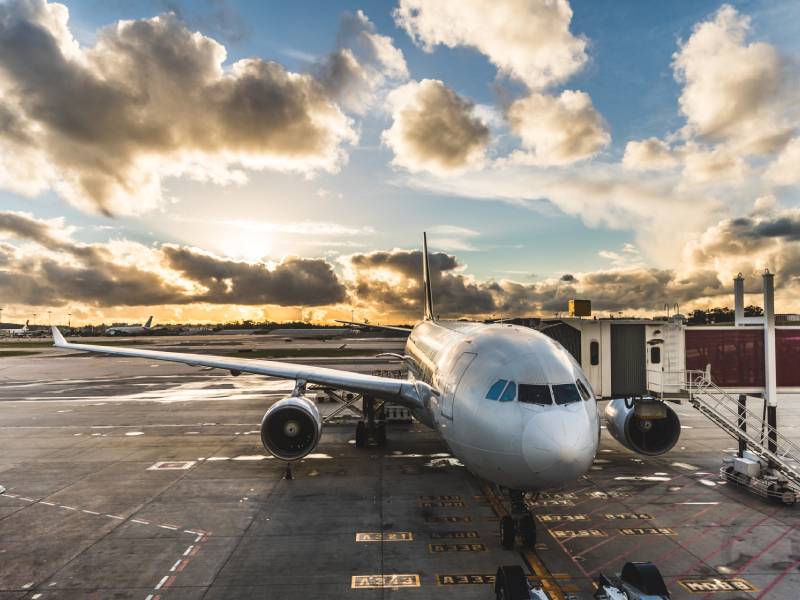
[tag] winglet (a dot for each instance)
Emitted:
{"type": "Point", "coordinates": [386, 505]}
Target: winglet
{"type": "Point", "coordinates": [426, 279]}
{"type": "Point", "coordinates": [58, 339]}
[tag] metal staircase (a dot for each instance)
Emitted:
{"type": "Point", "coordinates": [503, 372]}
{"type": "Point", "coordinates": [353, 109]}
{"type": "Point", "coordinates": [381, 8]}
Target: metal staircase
{"type": "Point", "coordinates": [722, 408]}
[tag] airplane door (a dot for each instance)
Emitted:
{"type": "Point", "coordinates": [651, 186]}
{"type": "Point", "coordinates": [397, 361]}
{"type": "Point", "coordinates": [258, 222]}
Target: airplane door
{"type": "Point", "coordinates": [450, 386]}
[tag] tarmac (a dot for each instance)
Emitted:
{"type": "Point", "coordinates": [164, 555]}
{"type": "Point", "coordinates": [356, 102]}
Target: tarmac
{"type": "Point", "coordinates": [131, 479]}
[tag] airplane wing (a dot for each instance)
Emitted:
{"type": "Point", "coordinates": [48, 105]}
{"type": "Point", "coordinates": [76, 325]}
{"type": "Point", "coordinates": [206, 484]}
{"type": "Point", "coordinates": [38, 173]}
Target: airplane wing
{"type": "Point", "coordinates": [400, 391]}
{"type": "Point", "coordinates": [386, 327]}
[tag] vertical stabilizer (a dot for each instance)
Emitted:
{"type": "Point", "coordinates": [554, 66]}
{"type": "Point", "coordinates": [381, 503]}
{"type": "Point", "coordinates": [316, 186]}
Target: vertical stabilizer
{"type": "Point", "coordinates": [149, 322]}
{"type": "Point", "coordinates": [426, 279]}
{"type": "Point", "coordinates": [26, 325]}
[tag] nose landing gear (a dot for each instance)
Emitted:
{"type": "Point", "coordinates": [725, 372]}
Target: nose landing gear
{"type": "Point", "coordinates": [520, 521]}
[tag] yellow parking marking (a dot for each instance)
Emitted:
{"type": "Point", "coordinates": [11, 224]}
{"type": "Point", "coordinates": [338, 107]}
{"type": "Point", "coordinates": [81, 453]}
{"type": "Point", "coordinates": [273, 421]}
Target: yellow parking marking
{"type": "Point", "coordinates": [442, 504]}
{"type": "Point", "coordinates": [399, 580]}
{"type": "Point", "coordinates": [648, 531]}
{"type": "Point", "coordinates": [620, 516]}
{"type": "Point", "coordinates": [448, 519]}
{"type": "Point", "coordinates": [435, 548]}
{"type": "Point", "coordinates": [440, 498]}
{"type": "Point", "coordinates": [576, 533]}
{"type": "Point", "coordinates": [561, 518]}
{"type": "Point", "coordinates": [454, 535]}
{"type": "Point", "coordinates": [465, 579]}
{"type": "Point", "coordinates": [385, 536]}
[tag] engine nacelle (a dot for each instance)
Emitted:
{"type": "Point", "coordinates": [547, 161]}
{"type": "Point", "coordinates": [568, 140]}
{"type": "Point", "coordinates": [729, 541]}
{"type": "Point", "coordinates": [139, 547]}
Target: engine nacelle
{"type": "Point", "coordinates": [291, 428]}
{"type": "Point", "coordinates": [648, 427]}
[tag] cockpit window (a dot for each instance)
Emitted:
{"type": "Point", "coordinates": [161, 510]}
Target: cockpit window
{"type": "Point", "coordinates": [535, 394]}
{"type": "Point", "coordinates": [510, 393]}
{"type": "Point", "coordinates": [566, 393]}
{"type": "Point", "coordinates": [496, 389]}
{"type": "Point", "coordinates": [583, 390]}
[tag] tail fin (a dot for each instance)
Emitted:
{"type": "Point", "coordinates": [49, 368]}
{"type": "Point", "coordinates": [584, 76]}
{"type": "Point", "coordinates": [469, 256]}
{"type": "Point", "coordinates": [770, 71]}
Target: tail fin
{"type": "Point", "coordinates": [149, 322]}
{"type": "Point", "coordinates": [426, 280]}
{"type": "Point", "coordinates": [26, 324]}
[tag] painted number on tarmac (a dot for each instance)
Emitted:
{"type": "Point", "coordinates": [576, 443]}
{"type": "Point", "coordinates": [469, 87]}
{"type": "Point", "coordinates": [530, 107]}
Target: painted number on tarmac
{"type": "Point", "coordinates": [454, 535]}
{"type": "Point", "coordinates": [577, 533]}
{"type": "Point", "coordinates": [385, 581]}
{"type": "Point", "coordinates": [619, 516]}
{"type": "Point", "coordinates": [704, 586]}
{"type": "Point", "coordinates": [554, 503]}
{"type": "Point", "coordinates": [648, 531]}
{"type": "Point", "coordinates": [465, 579]}
{"type": "Point", "coordinates": [449, 519]}
{"type": "Point", "coordinates": [456, 548]}
{"type": "Point", "coordinates": [439, 498]}
{"type": "Point", "coordinates": [561, 518]}
{"type": "Point", "coordinates": [442, 504]}
{"type": "Point", "coordinates": [385, 536]}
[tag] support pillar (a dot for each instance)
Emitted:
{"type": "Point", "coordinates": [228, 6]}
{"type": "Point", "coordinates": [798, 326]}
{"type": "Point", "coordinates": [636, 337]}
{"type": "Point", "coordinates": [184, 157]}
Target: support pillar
{"type": "Point", "coordinates": [770, 369]}
{"type": "Point", "coordinates": [742, 424]}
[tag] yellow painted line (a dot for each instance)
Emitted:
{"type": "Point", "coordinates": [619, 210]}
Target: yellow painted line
{"type": "Point", "coordinates": [537, 566]}
{"type": "Point", "coordinates": [400, 580]}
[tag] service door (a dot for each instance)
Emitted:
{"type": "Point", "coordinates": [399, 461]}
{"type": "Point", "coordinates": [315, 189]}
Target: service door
{"type": "Point", "coordinates": [628, 370]}
{"type": "Point", "coordinates": [451, 384]}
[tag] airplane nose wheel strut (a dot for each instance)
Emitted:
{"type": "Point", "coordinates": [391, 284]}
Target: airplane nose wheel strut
{"type": "Point", "coordinates": [520, 521]}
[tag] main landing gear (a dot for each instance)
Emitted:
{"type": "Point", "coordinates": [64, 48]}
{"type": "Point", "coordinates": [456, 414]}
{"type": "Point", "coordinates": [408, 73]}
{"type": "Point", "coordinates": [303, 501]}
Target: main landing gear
{"type": "Point", "coordinates": [371, 430]}
{"type": "Point", "coordinates": [519, 522]}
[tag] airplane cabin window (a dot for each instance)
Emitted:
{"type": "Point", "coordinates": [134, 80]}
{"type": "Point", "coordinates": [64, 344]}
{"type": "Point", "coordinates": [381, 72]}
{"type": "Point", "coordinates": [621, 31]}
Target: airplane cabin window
{"type": "Point", "coordinates": [583, 390]}
{"type": "Point", "coordinates": [510, 393]}
{"type": "Point", "coordinates": [594, 353]}
{"type": "Point", "coordinates": [566, 393]}
{"type": "Point", "coordinates": [535, 394]}
{"type": "Point", "coordinates": [496, 389]}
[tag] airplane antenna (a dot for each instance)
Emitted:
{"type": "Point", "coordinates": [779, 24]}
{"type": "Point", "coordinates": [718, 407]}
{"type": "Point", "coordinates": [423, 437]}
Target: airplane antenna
{"type": "Point", "coordinates": [426, 279]}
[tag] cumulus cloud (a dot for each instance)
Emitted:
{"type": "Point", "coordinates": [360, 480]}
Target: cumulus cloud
{"type": "Point", "coordinates": [434, 129]}
{"type": "Point", "coordinates": [528, 40]}
{"type": "Point", "coordinates": [362, 63]}
{"type": "Point", "coordinates": [785, 170]}
{"type": "Point", "coordinates": [104, 125]}
{"type": "Point", "coordinates": [557, 130]}
{"type": "Point", "coordinates": [735, 91]}
{"type": "Point", "coordinates": [719, 165]}
{"type": "Point", "coordinates": [651, 153]}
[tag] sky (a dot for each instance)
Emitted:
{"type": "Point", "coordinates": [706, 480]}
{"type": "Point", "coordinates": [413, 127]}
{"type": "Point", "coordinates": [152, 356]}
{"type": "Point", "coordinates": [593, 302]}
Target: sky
{"type": "Point", "coordinates": [220, 160]}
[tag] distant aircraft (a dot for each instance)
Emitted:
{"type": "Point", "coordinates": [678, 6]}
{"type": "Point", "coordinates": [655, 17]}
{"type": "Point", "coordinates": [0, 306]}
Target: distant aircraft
{"type": "Point", "coordinates": [132, 329]}
{"type": "Point", "coordinates": [18, 331]}
{"type": "Point", "coordinates": [311, 333]}
{"type": "Point", "coordinates": [512, 404]}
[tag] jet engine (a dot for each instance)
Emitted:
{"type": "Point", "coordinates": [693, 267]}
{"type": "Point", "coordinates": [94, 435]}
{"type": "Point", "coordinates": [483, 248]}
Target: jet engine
{"type": "Point", "coordinates": [291, 428]}
{"type": "Point", "coordinates": [648, 427]}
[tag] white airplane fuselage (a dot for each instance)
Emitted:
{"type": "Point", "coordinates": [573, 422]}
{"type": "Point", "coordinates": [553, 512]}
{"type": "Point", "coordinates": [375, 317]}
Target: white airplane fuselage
{"type": "Point", "coordinates": [518, 439]}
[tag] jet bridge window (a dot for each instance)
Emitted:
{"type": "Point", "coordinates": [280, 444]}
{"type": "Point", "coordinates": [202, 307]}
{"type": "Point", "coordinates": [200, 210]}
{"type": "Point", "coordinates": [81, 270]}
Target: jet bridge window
{"type": "Point", "coordinates": [496, 389]}
{"type": "Point", "coordinates": [535, 394]}
{"type": "Point", "coordinates": [655, 355]}
{"type": "Point", "coordinates": [510, 393]}
{"type": "Point", "coordinates": [566, 393]}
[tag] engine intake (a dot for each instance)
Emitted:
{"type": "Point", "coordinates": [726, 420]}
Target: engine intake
{"type": "Point", "coordinates": [649, 427]}
{"type": "Point", "coordinates": [291, 428]}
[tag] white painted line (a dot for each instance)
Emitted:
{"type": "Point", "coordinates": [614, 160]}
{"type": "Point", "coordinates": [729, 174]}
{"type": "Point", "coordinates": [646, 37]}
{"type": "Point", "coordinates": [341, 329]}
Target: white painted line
{"type": "Point", "coordinates": [189, 549]}
{"type": "Point", "coordinates": [168, 527]}
{"type": "Point", "coordinates": [140, 521]}
{"type": "Point", "coordinates": [199, 537]}
{"type": "Point", "coordinates": [68, 507]}
{"type": "Point", "coordinates": [189, 531]}
{"type": "Point", "coordinates": [91, 512]}
{"type": "Point", "coordinates": [162, 582]}
{"type": "Point", "coordinates": [115, 517]}
{"type": "Point", "coordinates": [175, 566]}
{"type": "Point", "coordinates": [26, 499]}
{"type": "Point", "coordinates": [149, 597]}
{"type": "Point", "coordinates": [698, 503]}
{"type": "Point", "coordinates": [47, 503]}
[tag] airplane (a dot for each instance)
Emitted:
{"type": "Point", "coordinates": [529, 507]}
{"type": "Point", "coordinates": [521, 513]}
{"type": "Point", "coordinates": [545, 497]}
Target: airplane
{"type": "Point", "coordinates": [23, 331]}
{"type": "Point", "coordinates": [512, 404]}
{"type": "Point", "coordinates": [131, 329]}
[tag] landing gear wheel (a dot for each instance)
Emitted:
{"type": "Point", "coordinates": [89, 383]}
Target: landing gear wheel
{"type": "Point", "coordinates": [511, 583]}
{"type": "Point", "coordinates": [508, 533]}
{"type": "Point", "coordinates": [361, 435]}
{"type": "Point", "coordinates": [380, 435]}
{"type": "Point", "coordinates": [527, 528]}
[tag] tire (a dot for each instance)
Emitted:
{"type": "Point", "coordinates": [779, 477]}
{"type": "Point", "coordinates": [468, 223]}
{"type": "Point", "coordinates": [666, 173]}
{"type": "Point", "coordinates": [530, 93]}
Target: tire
{"type": "Point", "coordinates": [508, 533]}
{"type": "Point", "coordinates": [511, 583]}
{"type": "Point", "coordinates": [361, 435]}
{"type": "Point", "coordinates": [527, 527]}
{"type": "Point", "coordinates": [381, 435]}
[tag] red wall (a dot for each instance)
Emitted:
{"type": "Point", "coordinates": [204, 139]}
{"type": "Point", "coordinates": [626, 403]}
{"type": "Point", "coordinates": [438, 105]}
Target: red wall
{"type": "Point", "coordinates": [736, 356]}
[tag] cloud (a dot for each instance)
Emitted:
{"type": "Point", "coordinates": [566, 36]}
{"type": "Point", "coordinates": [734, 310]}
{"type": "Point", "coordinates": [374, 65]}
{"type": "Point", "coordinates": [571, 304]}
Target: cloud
{"type": "Point", "coordinates": [651, 153]}
{"type": "Point", "coordinates": [719, 164]}
{"type": "Point", "coordinates": [557, 130]}
{"type": "Point", "coordinates": [361, 64]}
{"type": "Point", "coordinates": [735, 91]}
{"type": "Point", "coordinates": [434, 129]}
{"type": "Point", "coordinates": [104, 125]}
{"type": "Point", "coordinates": [785, 170]}
{"type": "Point", "coordinates": [528, 40]}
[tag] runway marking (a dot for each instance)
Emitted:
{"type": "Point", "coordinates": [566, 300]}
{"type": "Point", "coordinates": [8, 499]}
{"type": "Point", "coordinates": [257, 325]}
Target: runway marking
{"type": "Point", "coordinates": [621, 516]}
{"type": "Point", "coordinates": [711, 586]}
{"type": "Point", "coordinates": [47, 503]}
{"type": "Point", "coordinates": [576, 533]}
{"type": "Point", "coordinates": [115, 517]}
{"type": "Point", "coordinates": [385, 536]}
{"type": "Point", "coordinates": [441, 498]}
{"type": "Point", "coordinates": [188, 550]}
{"type": "Point", "coordinates": [172, 465]}
{"type": "Point", "coordinates": [648, 531]}
{"type": "Point", "coordinates": [559, 518]}
{"type": "Point", "coordinates": [168, 527]}
{"type": "Point", "coordinates": [400, 580]}
{"type": "Point", "coordinates": [26, 499]}
{"type": "Point", "coordinates": [446, 504]}
{"type": "Point", "coordinates": [438, 548]}
{"type": "Point", "coordinates": [90, 512]}
{"type": "Point", "coordinates": [68, 507]}
{"type": "Point", "coordinates": [454, 535]}
{"type": "Point", "coordinates": [161, 583]}
{"type": "Point", "coordinates": [141, 522]}
{"type": "Point", "coordinates": [448, 519]}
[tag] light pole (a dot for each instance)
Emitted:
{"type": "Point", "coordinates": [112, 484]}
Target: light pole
{"type": "Point", "coordinates": [69, 320]}
{"type": "Point", "coordinates": [49, 318]}
{"type": "Point", "coordinates": [1, 316]}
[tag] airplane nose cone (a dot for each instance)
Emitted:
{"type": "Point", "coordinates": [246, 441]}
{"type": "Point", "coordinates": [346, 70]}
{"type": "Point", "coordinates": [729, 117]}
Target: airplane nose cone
{"type": "Point", "coordinates": [557, 446]}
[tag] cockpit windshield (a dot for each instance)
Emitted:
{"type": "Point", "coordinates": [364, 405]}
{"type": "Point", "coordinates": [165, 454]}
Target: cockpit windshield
{"type": "Point", "coordinates": [583, 390]}
{"type": "Point", "coordinates": [566, 393]}
{"type": "Point", "coordinates": [535, 394]}
{"type": "Point", "coordinates": [496, 389]}
{"type": "Point", "coordinates": [510, 392]}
